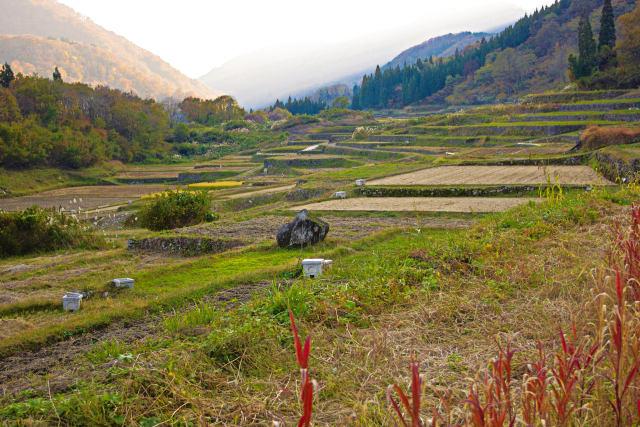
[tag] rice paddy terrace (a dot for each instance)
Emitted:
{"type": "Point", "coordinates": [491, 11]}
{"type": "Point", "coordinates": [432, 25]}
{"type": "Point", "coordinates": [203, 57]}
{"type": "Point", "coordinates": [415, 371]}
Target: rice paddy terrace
{"type": "Point", "coordinates": [439, 172]}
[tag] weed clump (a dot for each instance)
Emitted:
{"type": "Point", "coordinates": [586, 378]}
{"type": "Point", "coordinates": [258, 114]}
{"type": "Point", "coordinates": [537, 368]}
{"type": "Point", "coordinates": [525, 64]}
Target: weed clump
{"type": "Point", "coordinates": [39, 230]}
{"type": "Point", "coordinates": [174, 209]}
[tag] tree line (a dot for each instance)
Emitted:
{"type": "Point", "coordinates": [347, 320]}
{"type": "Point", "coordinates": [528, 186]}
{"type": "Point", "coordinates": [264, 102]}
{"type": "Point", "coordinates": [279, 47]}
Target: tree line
{"type": "Point", "coordinates": [300, 106]}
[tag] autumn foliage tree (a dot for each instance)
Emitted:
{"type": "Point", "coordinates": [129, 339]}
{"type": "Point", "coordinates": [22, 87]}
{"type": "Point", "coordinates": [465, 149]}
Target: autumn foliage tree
{"type": "Point", "coordinates": [47, 123]}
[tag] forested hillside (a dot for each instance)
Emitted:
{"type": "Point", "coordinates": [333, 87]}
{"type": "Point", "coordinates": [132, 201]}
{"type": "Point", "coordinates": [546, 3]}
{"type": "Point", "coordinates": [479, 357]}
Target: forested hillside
{"type": "Point", "coordinates": [47, 122]}
{"type": "Point", "coordinates": [529, 56]}
{"type": "Point", "coordinates": [38, 35]}
{"type": "Point", "coordinates": [440, 47]}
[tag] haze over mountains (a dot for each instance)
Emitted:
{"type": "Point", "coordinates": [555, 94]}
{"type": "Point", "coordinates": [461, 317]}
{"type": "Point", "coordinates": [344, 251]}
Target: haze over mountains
{"type": "Point", "coordinates": [38, 35]}
{"type": "Point", "coordinates": [257, 79]}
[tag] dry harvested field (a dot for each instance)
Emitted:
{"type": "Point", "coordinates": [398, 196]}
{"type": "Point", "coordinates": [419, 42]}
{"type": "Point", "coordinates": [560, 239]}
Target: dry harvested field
{"type": "Point", "coordinates": [521, 150]}
{"type": "Point", "coordinates": [419, 204]}
{"type": "Point", "coordinates": [266, 227]}
{"type": "Point", "coordinates": [497, 175]}
{"type": "Point", "coordinates": [81, 197]}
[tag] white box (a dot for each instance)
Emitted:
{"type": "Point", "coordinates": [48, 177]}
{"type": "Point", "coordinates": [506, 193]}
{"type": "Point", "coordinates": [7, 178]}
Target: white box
{"type": "Point", "coordinates": [314, 267]}
{"type": "Point", "coordinates": [360, 182]}
{"type": "Point", "coordinates": [340, 194]}
{"type": "Point", "coordinates": [123, 283]}
{"type": "Point", "coordinates": [71, 301]}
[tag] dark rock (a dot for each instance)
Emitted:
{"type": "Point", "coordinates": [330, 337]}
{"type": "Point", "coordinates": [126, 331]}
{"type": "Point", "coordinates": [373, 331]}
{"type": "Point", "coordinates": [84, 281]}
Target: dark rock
{"type": "Point", "coordinates": [302, 231]}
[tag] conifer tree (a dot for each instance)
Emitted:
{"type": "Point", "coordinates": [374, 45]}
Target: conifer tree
{"type": "Point", "coordinates": [607, 27]}
{"type": "Point", "coordinates": [584, 64]}
{"type": "Point", "coordinates": [57, 77]}
{"type": "Point", "coordinates": [6, 75]}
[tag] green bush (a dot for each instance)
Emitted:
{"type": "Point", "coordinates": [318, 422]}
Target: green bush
{"type": "Point", "coordinates": [39, 230]}
{"type": "Point", "coordinates": [173, 209]}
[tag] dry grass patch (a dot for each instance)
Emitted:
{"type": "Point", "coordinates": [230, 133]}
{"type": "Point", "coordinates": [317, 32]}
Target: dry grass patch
{"type": "Point", "coordinates": [597, 137]}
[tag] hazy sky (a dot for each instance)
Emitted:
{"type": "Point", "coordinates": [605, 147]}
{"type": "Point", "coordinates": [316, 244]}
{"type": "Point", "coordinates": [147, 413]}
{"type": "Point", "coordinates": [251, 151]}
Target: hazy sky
{"type": "Point", "coordinates": [197, 35]}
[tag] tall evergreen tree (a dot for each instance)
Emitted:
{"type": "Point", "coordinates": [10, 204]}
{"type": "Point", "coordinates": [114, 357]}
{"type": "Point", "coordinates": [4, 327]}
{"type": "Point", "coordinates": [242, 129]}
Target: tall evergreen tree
{"type": "Point", "coordinates": [6, 75]}
{"type": "Point", "coordinates": [57, 77]}
{"type": "Point", "coordinates": [607, 26]}
{"type": "Point", "coordinates": [584, 64]}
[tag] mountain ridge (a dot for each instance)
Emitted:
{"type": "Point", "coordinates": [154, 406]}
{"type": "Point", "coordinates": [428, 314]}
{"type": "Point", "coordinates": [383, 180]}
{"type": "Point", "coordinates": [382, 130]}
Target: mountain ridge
{"type": "Point", "coordinates": [60, 29]}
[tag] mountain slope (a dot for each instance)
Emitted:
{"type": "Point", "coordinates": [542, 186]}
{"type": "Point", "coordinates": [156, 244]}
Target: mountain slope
{"type": "Point", "coordinates": [439, 47]}
{"type": "Point", "coordinates": [530, 56]}
{"type": "Point", "coordinates": [42, 34]}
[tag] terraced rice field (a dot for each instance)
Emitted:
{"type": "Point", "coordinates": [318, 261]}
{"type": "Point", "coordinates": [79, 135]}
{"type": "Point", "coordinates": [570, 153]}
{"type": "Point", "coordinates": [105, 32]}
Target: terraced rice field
{"type": "Point", "coordinates": [261, 192]}
{"type": "Point", "coordinates": [497, 175]}
{"type": "Point", "coordinates": [81, 197]}
{"type": "Point", "coordinates": [523, 150]}
{"type": "Point", "coordinates": [419, 204]}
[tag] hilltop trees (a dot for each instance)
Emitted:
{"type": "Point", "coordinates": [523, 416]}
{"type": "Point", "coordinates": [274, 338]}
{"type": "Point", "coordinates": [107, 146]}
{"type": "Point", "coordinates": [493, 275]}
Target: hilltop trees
{"type": "Point", "coordinates": [74, 125]}
{"type": "Point", "coordinates": [212, 112]}
{"type": "Point", "coordinates": [300, 106]}
{"type": "Point", "coordinates": [6, 75]}
{"type": "Point", "coordinates": [57, 77]}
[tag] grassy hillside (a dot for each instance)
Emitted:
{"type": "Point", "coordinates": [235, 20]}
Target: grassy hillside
{"type": "Point", "coordinates": [39, 35]}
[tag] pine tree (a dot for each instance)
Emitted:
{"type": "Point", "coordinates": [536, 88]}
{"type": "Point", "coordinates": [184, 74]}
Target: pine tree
{"type": "Point", "coordinates": [607, 26]}
{"type": "Point", "coordinates": [6, 75]}
{"type": "Point", "coordinates": [57, 77]}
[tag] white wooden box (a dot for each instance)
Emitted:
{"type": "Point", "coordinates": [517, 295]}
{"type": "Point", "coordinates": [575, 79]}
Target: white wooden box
{"type": "Point", "coordinates": [71, 301]}
{"type": "Point", "coordinates": [123, 283]}
{"type": "Point", "coordinates": [314, 267]}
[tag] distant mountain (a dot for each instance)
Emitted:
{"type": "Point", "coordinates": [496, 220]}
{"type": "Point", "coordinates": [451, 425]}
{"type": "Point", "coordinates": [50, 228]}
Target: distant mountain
{"type": "Point", "coordinates": [439, 47]}
{"type": "Point", "coordinates": [37, 35]}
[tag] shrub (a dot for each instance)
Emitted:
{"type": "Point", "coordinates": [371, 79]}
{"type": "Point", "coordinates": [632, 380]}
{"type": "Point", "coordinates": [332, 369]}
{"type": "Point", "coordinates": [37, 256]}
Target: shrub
{"type": "Point", "coordinates": [362, 133]}
{"type": "Point", "coordinates": [301, 119]}
{"type": "Point", "coordinates": [173, 209]}
{"type": "Point", "coordinates": [597, 137]}
{"type": "Point", "coordinates": [39, 230]}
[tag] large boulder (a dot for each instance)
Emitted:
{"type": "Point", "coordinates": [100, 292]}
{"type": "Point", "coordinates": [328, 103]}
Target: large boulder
{"type": "Point", "coordinates": [302, 231]}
